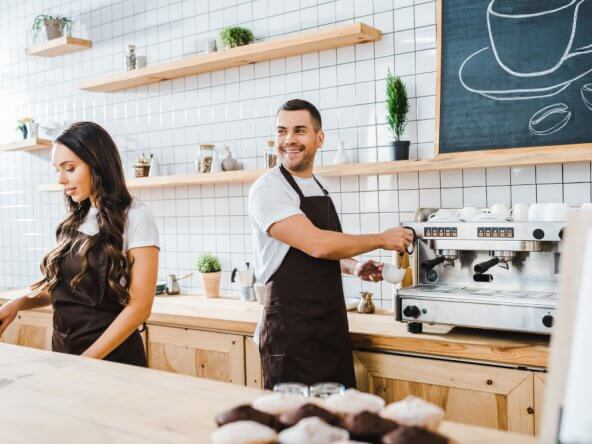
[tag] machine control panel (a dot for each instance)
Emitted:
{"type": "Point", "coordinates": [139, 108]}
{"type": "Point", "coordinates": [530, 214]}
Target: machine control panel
{"type": "Point", "coordinates": [501, 232]}
{"type": "Point", "coordinates": [440, 232]}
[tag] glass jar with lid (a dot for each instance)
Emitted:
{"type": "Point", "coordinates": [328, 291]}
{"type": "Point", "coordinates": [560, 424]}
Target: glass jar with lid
{"type": "Point", "coordinates": [203, 162]}
{"type": "Point", "coordinates": [270, 154]}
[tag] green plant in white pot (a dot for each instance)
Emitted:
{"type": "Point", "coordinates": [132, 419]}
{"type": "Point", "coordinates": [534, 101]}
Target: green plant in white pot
{"type": "Point", "coordinates": [397, 106]}
{"type": "Point", "coordinates": [211, 273]}
{"type": "Point", "coordinates": [236, 36]}
{"type": "Point", "coordinates": [54, 25]}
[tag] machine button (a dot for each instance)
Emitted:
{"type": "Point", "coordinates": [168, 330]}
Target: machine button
{"type": "Point", "coordinates": [561, 233]}
{"type": "Point", "coordinates": [547, 321]}
{"type": "Point", "coordinates": [412, 311]}
{"type": "Point", "coordinates": [538, 234]}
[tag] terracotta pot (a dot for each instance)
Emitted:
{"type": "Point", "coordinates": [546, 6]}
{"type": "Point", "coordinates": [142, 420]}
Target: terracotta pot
{"type": "Point", "coordinates": [211, 283]}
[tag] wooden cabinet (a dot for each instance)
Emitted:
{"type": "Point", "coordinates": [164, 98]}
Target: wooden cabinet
{"type": "Point", "coordinates": [469, 393]}
{"type": "Point", "coordinates": [254, 374]}
{"type": "Point", "coordinates": [30, 329]}
{"type": "Point", "coordinates": [539, 394]}
{"type": "Point", "coordinates": [210, 355]}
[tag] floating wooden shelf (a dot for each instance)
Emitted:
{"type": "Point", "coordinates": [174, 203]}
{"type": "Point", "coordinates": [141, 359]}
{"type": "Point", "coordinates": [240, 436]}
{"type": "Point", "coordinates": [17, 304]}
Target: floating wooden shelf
{"type": "Point", "coordinates": [27, 145]}
{"type": "Point", "coordinates": [59, 46]}
{"type": "Point", "coordinates": [320, 40]}
{"type": "Point", "coordinates": [473, 159]}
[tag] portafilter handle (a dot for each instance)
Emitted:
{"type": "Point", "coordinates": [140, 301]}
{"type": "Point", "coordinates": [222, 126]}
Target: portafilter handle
{"type": "Point", "coordinates": [482, 267]}
{"type": "Point", "coordinates": [411, 247]}
{"type": "Point", "coordinates": [431, 263]}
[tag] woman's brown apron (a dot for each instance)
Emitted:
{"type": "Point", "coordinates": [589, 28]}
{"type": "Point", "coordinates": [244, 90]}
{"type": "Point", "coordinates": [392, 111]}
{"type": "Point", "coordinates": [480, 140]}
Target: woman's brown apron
{"type": "Point", "coordinates": [81, 315]}
{"type": "Point", "coordinates": [305, 334]}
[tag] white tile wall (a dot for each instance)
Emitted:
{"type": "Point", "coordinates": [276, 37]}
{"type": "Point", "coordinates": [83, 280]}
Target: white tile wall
{"type": "Point", "coordinates": [171, 118]}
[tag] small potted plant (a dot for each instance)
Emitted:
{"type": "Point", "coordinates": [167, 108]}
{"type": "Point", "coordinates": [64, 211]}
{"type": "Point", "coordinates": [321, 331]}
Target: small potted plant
{"type": "Point", "coordinates": [236, 36]}
{"type": "Point", "coordinates": [397, 107]}
{"type": "Point", "coordinates": [211, 272]}
{"type": "Point", "coordinates": [54, 25]}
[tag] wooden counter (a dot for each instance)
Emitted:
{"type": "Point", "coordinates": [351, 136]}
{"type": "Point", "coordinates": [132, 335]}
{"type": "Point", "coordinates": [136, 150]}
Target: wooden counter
{"type": "Point", "coordinates": [57, 398]}
{"type": "Point", "coordinates": [378, 331]}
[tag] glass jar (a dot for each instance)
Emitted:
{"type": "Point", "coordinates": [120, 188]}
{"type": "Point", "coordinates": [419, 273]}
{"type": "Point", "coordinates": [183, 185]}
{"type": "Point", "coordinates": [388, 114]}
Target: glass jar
{"type": "Point", "coordinates": [326, 389]}
{"type": "Point", "coordinates": [130, 57]}
{"type": "Point", "coordinates": [270, 154]}
{"type": "Point", "coordinates": [291, 387]}
{"type": "Point", "coordinates": [203, 163]}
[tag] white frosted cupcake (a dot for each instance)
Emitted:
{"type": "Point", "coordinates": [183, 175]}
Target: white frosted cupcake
{"type": "Point", "coordinates": [278, 403]}
{"type": "Point", "coordinates": [353, 401]}
{"type": "Point", "coordinates": [244, 432]}
{"type": "Point", "coordinates": [312, 431]}
{"type": "Point", "coordinates": [414, 411]}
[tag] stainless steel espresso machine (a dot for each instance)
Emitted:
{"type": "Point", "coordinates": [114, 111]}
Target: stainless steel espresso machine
{"type": "Point", "coordinates": [500, 275]}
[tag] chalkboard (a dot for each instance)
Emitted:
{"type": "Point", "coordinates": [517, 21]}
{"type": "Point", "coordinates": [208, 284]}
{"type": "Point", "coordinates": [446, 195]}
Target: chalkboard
{"type": "Point", "coordinates": [514, 73]}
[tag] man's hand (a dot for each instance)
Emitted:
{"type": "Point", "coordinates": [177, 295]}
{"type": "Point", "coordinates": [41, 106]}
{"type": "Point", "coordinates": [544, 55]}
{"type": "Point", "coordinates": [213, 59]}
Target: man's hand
{"type": "Point", "coordinates": [397, 239]}
{"type": "Point", "coordinates": [369, 270]}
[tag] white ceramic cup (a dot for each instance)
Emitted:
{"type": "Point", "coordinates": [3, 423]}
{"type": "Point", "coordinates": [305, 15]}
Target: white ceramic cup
{"type": "Point", "coordinates": [442, 212]}
{"type": "Point", "coordinates": [520, 212]}
{"type": "Point", "coordinates": [557, 212]}
{"type": "Point", "coordinates": [468, 213]}
{"type": "Point", "coordinates": [393, 274]}
{"type": "Point", "coordinates": [500, 210]}
{"type": "Point", "coordinates": [536, 211]}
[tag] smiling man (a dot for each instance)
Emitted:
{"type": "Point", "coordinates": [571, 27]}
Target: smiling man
{"type": "Point", "coordinates": [300, 253]}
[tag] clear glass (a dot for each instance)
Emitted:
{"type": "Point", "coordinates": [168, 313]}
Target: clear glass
{"type": "Point", "coordinates": [203, 163]}
{"type": "Point", "coordinates": [270, 155]}
{"type": "Point", "coordinates": [291, 387]}
{"type": "Point", "coordinates": [325, 389]}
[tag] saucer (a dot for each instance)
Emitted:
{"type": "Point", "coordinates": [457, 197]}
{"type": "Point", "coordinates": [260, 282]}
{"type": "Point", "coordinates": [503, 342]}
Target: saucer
{"type": "Point", "coordinates": [444, 219]}
{"type": "Point", "coordinates": [480, 73]}
{"type": "Point", "coordinates": [492, 218]}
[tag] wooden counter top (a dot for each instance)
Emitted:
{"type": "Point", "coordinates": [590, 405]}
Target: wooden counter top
{"type": "Point", "coordinates": [376, 331]}
{"type": "Point", "coordinates": [57, 398]}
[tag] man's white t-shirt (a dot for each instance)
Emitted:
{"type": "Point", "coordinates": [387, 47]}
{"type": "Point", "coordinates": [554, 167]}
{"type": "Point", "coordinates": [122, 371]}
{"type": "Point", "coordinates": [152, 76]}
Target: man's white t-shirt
{"type": "Point", "coordinates": [272, 199]}
{"type": "Point", "coordinates": [140, 228]}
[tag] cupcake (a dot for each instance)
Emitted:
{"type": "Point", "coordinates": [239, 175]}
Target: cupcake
{"type": "Point", "coordinates": [278, 403]}
{"type": "Point", "coordinates": [312, 431]}
{"type": "Point", "coordinates": [246, 413]}
{"type": "Point", "coordinates": [414, 411]}
{"type": "Point", "coordinates": [367, 426]}
{"type": "Point", "coordinates": [244, 432]}
{"type": "Point", "coordinates": [413, 435]}
{"type": "Point", "coordinates": [353, 401]}
{"type": "Point", "coordinates": [292, 417]}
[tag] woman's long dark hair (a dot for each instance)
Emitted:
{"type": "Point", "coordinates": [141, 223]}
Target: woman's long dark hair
{"type": "Point", "coordinates": [96, 148]}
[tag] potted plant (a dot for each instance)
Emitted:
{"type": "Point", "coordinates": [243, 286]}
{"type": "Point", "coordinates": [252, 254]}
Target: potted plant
{"type": "Point", "coordinates": [54, 25]}
{"type": "Point", "coordinates": [236, 36]}
{"type": "Point", "coordinates": [211, 272]}
{"type": "Point", "coordinates": [397, 107]}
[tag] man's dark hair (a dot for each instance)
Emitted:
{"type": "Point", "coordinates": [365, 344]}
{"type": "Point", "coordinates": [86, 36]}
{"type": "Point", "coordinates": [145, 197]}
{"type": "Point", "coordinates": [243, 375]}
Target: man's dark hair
{"type": "Point", "coordinates": [299, 104]}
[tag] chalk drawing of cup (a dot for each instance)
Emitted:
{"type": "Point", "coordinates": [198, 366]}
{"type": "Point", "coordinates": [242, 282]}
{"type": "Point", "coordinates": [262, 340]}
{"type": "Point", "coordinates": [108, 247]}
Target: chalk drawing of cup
{"type": "Point", "coordinates": [586, 92]}
{"type": "Point", "coordinates": [520, 37]}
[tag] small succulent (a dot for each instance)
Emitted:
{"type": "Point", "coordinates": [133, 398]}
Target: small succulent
{"type": "Point", "coordinates": [208, 263]}
{"type": "Point", "coordinates": [236, 36]}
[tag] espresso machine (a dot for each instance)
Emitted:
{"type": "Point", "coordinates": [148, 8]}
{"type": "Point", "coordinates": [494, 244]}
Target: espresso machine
{"type": "Point", "coordinates": [493, 274]}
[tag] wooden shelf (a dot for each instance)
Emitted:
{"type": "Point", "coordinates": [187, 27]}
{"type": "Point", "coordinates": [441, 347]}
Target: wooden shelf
{"type": "Point", "coordinates": [27, 145]}
{"type": "Point", "coordinates": [345, 35]}
{"type": "Point", "coordinates": [59, 46]}
{"type": "Point", "coordinates": [473, 159]}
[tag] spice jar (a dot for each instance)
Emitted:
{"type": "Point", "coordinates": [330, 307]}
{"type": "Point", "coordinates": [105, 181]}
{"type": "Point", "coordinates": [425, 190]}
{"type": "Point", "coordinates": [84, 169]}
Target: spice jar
{"type": "Point", "coordinates": [203, 163]}
{"type": "Point", "coordinates": [130, 57]}
{"type": "Point", "coordinates": [142, 166]}
{"type": "Point", "coordinates": [270, 154]}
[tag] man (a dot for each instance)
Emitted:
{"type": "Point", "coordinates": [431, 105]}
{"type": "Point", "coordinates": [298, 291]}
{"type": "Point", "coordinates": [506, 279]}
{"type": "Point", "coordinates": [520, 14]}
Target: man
{"type": "Point", "coordinates": [300, 253]}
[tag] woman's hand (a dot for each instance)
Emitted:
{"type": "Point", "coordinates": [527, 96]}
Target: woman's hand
{"type": "Point", "coordinates": [8, 313]}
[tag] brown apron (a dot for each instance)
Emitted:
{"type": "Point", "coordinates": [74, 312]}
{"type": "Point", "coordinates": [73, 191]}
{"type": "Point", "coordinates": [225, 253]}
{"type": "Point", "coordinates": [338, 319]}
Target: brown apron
{"type": "Point", "coordinates": [305, 334]}
{"type": "Point", "coordinates": [81, 315]}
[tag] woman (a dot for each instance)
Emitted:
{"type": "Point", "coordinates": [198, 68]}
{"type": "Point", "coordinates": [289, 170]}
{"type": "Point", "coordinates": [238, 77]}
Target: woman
{"type": "Point", "coordinates": [100, 278]}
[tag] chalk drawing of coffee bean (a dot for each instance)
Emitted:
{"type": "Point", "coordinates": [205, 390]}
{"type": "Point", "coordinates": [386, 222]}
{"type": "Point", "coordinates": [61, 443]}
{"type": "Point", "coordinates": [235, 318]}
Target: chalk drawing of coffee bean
{"type": "Point", "coordinates": [586, 92]}
{"type": "Point", "coordinates": [550, 119]}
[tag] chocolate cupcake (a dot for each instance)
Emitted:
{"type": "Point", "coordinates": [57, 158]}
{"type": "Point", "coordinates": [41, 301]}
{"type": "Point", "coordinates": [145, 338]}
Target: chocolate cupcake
{"type": "Point", "coordinates": [367, 426]}
{"type": "Point", "coordinates": [413, 435]}
{"type": "Point", "coordinates": [246, 413]}
{"type": "Point", "coordinates": [288, 419]}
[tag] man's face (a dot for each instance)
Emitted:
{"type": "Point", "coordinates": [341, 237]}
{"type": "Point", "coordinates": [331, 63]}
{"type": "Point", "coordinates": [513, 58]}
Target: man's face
{"type": "Point", "coordinates": [297, 140]}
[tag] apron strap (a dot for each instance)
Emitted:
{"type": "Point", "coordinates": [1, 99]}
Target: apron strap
{"type": "Point", "coordinates": [294, 185]}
